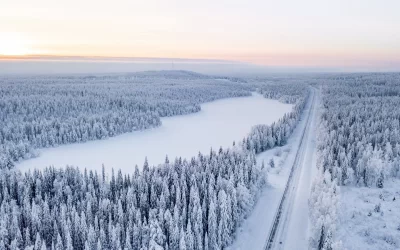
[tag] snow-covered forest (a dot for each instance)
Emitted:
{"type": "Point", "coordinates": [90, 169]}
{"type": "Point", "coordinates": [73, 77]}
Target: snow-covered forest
{"type": "Point", "coordinates": [263, 137]}
{"type": "Point", "coordinates": [198, 202]}
{"type": "Point", "coordinates": [359, 146]}
{"type": "Point", "coordinates": [45, 111]}
{"type": "Point", "coordinates": [195, 203]}
{"type": "Point", "coordinates": [199, 125]}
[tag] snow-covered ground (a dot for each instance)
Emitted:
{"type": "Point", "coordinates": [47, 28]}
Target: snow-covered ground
{"type": "Point", "coordinates": [219, 123]}
{"type": "Point", "coordinates": [369, 218]}
{"type": "Point", "coordinates": [255, 230]}
{"type": "Point", "coordinates": [296, 234]}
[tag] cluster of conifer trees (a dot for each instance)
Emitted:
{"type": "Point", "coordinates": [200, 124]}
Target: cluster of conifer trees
{"type": "Point", "coordinates": [361, 129]}
{"type": "Point", "coordinates": [185, 204]}
{"type": "Point", "coordinates": [194, 204]}
{"type": "Point", "coordinates": [359, 143]}
{"type": "Point", "coordinates": [263, 137]}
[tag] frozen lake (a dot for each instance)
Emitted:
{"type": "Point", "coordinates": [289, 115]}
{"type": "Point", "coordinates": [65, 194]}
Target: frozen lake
{"type": "Point", "coordinates": [219, 123]}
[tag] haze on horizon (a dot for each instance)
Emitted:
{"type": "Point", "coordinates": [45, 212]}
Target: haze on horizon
{"type": "Point", "coordinates": [313, 33]}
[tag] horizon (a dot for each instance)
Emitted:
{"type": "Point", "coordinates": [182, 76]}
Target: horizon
{"type": "Point", "coordinates": [98, 65]}
{"type": "Point", "coordinates": [349, 36]}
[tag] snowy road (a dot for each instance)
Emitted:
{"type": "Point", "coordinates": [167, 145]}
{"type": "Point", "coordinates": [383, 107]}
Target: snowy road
{"type": "Point", "coordinates": [255, 230]}
{"type": "Point", "coordinates": [289, 229]}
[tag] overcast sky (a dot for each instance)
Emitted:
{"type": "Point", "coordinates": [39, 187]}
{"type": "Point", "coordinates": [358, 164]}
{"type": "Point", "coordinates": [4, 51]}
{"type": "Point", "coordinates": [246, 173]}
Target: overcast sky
{"type": "Point", "coordinates": [341, 33]}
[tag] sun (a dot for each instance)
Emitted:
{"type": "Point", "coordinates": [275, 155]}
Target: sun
{"type": "Point", "coordinates": [14, 44]}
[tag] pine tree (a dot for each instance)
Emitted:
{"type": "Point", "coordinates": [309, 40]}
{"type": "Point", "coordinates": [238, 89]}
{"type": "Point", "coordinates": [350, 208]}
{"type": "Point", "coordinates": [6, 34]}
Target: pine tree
{"type": "Point", "coordinates": [38, 242]}
{"type": "Point", "coordinates": [59, 243]}
{"type": "Point", "coordinates": [43, 246]}
{"type": "Point", "coordinates": [212, 226]}
{"type": "Point", "coordinates": [175, 237]}
{"type": "Point", "coordinates": [272, 163]}
{"type": "Point", "coordinates": [223, 225]}
{"type": "Point", "coordinates": [206, 243]}
{"type": "Point", "coordinates": [189, 238]}
{"type": "Point", "coordinates": [14, 245]}
{"type": "Point", "coordinates": [182, 242]}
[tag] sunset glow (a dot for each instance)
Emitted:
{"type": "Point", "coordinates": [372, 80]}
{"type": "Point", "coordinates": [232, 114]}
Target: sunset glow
{"type": "Point", "coordinates": [14, 44]}
{"type": "Point", "coordinates": [306, 33]}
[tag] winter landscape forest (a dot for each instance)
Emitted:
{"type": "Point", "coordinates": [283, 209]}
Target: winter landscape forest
{"type": "Point", "coordinates": [199, 125]}
{"type": "Point", "coordinates": [336, 151]}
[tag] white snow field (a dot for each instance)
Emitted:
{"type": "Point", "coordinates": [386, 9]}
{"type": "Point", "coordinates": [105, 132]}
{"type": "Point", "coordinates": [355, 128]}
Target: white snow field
{"type": "Point", "coordinates": [369, 217]}
{"type": "Point", "coordinates": [219, 123]}
{"type": "Point", "coordinates": [254, 232]}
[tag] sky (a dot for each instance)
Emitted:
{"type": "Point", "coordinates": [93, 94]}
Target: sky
{"type": "Point", "coordinates": [354, 34]}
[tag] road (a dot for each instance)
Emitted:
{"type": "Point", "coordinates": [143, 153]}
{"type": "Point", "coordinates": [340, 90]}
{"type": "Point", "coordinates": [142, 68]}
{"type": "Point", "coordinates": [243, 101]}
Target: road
{"type": "Point", "coordinates": [289, 229]}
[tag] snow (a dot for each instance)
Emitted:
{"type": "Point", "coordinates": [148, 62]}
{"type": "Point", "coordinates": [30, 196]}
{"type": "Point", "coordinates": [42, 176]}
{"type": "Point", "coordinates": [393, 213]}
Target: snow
{"type": "Point", "coordinates": [298, 226]}
{"type": "Point", "coordinates": [219, 123]}
{"type": "Point", "coordinates": [255, 230]}
{"type": "Point", "coordinates": [361, 226]}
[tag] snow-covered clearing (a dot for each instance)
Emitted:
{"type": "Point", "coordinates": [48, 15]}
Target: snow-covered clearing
{"type": "Point", "coordinates": [255, 230]}
{"type": "Point", "coordinates": [369, 218]}
{"type": "Point", "coordinates": [219, 123]}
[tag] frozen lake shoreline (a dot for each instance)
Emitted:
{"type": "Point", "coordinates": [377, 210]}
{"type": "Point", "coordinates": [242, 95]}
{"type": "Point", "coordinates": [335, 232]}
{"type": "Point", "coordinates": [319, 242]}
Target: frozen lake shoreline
{"type": "Point", "coordinates": [219, 123]}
